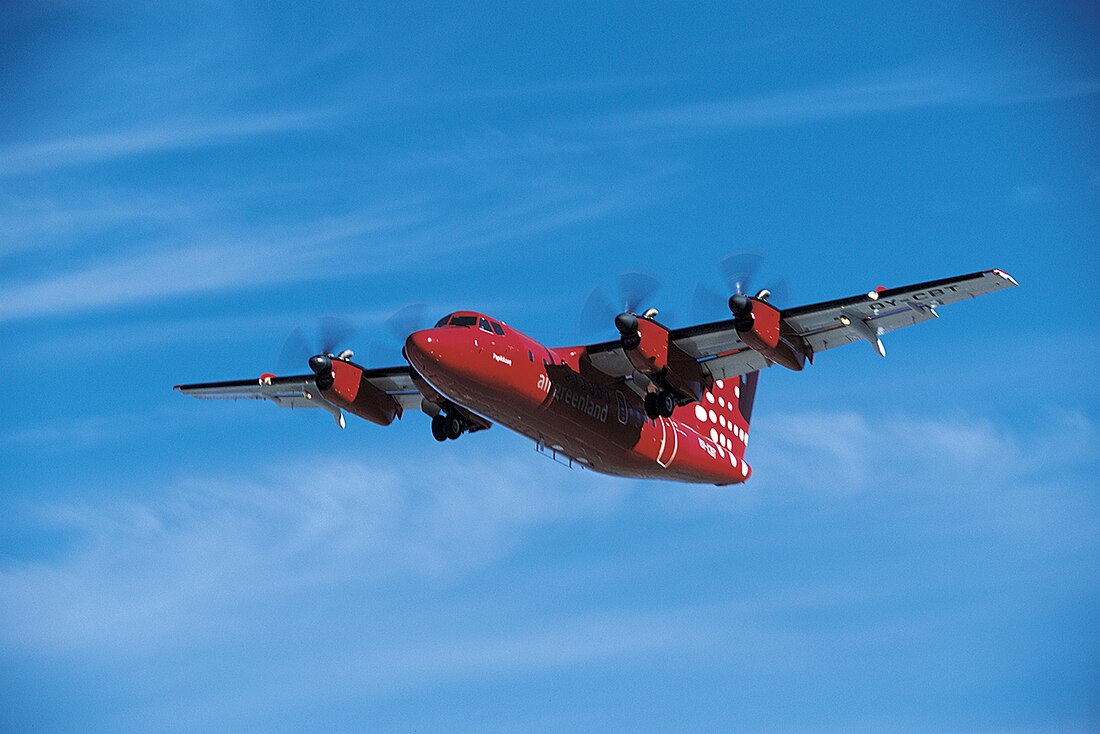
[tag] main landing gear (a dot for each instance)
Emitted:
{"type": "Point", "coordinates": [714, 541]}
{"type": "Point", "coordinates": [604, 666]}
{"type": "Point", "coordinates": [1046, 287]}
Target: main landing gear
{"type": "Point", "coordinates": [446, 426]}
{"type": "Point", "coordinates": [659, 404]}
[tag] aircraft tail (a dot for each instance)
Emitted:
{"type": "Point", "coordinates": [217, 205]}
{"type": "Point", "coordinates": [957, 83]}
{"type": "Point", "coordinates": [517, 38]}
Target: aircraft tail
{"type": "Point", "coordinates": [725, 411]}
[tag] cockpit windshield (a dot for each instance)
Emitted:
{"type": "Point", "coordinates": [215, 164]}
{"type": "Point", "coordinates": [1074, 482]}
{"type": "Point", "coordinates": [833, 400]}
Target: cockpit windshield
{"type": "Point", "coordinates": [471, 319]}
{"type": "Point", "coordinates": [457, 320]}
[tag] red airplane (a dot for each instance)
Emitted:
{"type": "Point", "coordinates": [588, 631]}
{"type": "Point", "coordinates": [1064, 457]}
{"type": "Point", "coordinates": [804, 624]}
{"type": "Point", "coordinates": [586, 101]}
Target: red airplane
{"type": "Point", "coordinates": [656, 403]}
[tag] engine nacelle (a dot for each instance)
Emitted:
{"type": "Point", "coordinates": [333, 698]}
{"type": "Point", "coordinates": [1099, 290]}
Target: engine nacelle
{"type": "Point", "coordinates": [649, 349]}
{"type": "Point", "coordinates": [760, 325]}
{"type": "Point", "coordinates": [342, 384]}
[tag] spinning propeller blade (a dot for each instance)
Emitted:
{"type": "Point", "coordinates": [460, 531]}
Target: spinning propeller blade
{"type": "Point", "coordinates": [407, 319]}
{"type": "Point", "coordinates": [327, 336]}
{"type": "Point", "coordinates": [739, 270]}
{"type": "Point", "coordinates": [740, 273]}
{"type": "Point", "coordinates": [635, 288]}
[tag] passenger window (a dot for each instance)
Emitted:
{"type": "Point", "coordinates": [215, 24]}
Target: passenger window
{"type": "Point", "coordinates": [530, 355]}
{"type": "Point", "coordinates": [484, 324]}
{"type": "Point", "coordinates": [497, 328]}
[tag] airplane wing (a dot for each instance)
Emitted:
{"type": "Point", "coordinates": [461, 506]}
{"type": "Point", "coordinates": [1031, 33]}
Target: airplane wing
{"type": "Point", "coordinates": [300, 391]}
{"type": "Point", "coordinates": [721, 352]}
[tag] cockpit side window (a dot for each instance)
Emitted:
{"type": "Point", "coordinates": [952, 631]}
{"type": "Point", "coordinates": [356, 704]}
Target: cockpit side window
{"type": "Point", "coordinates": [498, 329]}
{"type": "Point", "coordinates": [484, 325]}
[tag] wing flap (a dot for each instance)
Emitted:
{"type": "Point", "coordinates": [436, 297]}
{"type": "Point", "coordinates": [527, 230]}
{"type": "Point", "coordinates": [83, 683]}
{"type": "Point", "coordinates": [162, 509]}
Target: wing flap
{"type": "Point", "coordinates": [397, 382]}
{"type": "Point", "coordinates": [733, 364]}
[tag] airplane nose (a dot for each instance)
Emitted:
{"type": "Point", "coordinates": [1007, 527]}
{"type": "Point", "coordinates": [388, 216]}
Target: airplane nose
{"type": "Point", "coordinates": [421, 348]}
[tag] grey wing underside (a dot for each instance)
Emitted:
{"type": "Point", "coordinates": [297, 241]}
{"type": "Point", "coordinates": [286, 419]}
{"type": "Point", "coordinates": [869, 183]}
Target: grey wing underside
{"type": "Point", "coordinates": [866, 317]}
{"type": "Point", "coordinates": [300, 391]}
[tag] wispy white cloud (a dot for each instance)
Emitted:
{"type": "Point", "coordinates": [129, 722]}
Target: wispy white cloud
{"type": "Point", "coordinates": [997, 477]}
{"type": "Point", "coordinates": [312, 250]}
{"type": "Point", "coordinates": [906, 89]}
{"type": "Point", "coordinates": [79, 432]}
{"type": "Point", "coordinates": [157, 275]}
{"type": "Point", "coordinates": [208, 254]}
{"type": "Point", "coordinates": [34, 224]}
{"type": "Point", "coordinates": [30, 157]}
{"type": "Point", "coordinates": [148, 572]}
{"type": "Point", "coordinates": [851, 454]}
{"type": "Point", "coordinates": [144, 571]}
{"type": "Point", "coordinates": [364, 579]}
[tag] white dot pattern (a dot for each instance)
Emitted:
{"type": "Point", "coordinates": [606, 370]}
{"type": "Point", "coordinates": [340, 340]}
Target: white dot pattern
{"type": "Point", "coordinates": [717, 416]}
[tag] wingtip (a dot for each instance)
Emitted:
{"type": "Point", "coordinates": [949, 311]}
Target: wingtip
{"type": "Point", "coordinates": [1003, 274]}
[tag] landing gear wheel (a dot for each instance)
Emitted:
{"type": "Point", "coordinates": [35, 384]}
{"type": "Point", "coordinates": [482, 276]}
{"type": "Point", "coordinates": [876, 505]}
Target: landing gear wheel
{"type": "Point", "coordinates": [439, 428]}
{"type": "Point", "coordinates": [453, 427]}
{"type": "Point", "coordinates": [651, 407]}
{"type": "Point", "coordinates": [666, 403]}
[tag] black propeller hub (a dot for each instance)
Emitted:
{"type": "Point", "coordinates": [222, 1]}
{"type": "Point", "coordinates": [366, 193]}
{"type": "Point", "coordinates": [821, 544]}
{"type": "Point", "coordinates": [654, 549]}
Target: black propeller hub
{"type": "Point", "coordinates": [741, 308]}
{"type": "Point", "coordinates": [321, 364]}
{"type": "Point", "coordinates": [627, 324]}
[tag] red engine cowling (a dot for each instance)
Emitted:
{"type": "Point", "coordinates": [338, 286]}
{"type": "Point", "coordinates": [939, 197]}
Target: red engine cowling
{"type": "Point", "coordinates": [650, 356]}
{"type": "Point", "coordinates": [358, 396]}
{"type": "Point", "coordinates": [762, 328]}
{"type": "Point", "coordinates": [651, 352]}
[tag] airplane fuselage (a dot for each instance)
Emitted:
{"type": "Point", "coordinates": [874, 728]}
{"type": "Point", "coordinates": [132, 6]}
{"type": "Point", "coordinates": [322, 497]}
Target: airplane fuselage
{"type": "Point", "coordinates": [557, 399]}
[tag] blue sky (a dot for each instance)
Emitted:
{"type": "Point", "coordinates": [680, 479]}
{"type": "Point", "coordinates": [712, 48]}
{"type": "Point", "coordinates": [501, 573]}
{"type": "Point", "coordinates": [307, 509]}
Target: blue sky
{"type": "Point", "coordinates": [918, 550]}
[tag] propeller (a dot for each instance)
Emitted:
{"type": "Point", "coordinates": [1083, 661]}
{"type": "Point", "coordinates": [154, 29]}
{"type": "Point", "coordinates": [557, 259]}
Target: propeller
{"type": "Point", "coordinates": [402, 322]}
{"type": "Point", "coordinates": [322, 340]}
{"type": "Point", "coordinates": [635, 288]}
{"type": "Point", "coordinates": [740, 272]}
{"type": "Point", "coordinates": [739, 269]}
{"type": "Point", "coordinates": [407, 319]}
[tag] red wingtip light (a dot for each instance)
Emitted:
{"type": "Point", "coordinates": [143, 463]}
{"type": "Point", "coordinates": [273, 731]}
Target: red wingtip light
{"type": "Point", "coordinates": [266, 378]}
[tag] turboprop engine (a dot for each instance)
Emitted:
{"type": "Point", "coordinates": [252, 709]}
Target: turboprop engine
{"type": "Point", "coordinates": [341, 383]}
{"type": "Point", "coordinates": [675, 373]}
{"type": "Point", "coordinates": [760, 325]}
